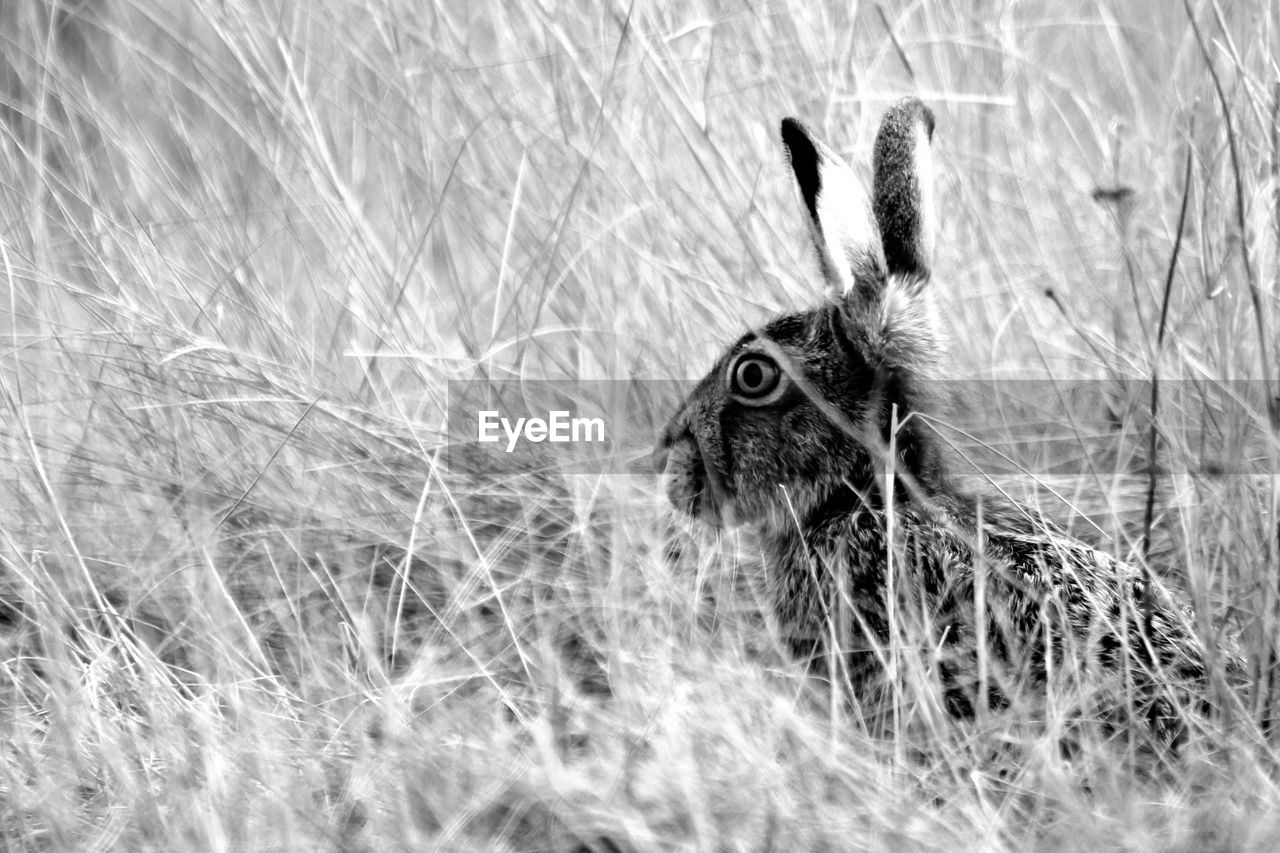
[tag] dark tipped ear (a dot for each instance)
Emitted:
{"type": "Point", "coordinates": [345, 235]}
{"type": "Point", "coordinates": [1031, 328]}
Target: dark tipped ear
{"type": "Point", "coordinates": [904, 204]}
{"type": "Point", "coordinates": [803, 154]}
{"type": "Point", "coordinates": [840, 222]}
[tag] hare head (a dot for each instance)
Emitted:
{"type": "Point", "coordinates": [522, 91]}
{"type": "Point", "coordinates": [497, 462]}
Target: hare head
{"type": "Point", "coordinates": [789, 422]}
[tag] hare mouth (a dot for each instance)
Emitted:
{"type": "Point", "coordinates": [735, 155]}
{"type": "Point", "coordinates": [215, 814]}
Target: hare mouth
{"type": "Point", "coordinates": [690, 489]}
{"type": "Point", "coordinates": [689, 492]}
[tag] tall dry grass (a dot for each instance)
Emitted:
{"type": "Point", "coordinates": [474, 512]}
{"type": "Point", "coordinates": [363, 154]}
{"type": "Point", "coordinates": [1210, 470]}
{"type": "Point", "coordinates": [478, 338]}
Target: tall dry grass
{"type": "Point", "coordinates": [245, 605]}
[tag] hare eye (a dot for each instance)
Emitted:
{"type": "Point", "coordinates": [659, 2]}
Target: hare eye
{"type": "Point", "coordinates": [755, 376]}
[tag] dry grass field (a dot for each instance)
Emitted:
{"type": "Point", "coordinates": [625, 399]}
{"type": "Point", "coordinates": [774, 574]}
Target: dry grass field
{"type": "Point", "coordinates": [246, 604]}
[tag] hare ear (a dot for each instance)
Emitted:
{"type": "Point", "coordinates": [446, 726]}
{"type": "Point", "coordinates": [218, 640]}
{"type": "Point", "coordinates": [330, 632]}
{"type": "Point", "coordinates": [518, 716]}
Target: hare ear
{"type": "Point", "coordinates": [840, 221]}
{"type": "Point", "coordinates": [904, 206]}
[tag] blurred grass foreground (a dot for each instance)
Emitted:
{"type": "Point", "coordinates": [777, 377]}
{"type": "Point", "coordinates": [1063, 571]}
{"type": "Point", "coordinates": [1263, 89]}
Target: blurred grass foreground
{"type": "Point", "coordinates": [247, 244]}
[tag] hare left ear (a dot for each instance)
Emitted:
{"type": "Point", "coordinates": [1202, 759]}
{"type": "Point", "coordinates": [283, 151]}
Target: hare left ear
{"type": "Point", "coordinates": [840, 220]}
{"type": "Point", "coordinates": [904, 203]}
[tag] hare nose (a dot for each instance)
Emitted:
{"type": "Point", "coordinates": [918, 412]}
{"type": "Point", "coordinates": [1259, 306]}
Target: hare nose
{"type": "Point", "coordinates": [660, 454]}
{"type": "Point", "coordinates": [662, 451]}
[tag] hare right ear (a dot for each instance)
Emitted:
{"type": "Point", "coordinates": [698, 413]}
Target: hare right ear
{"type": "Point", "coordinates": [840, 220]}
{"type": "Point", "coordinates": [903, 164]}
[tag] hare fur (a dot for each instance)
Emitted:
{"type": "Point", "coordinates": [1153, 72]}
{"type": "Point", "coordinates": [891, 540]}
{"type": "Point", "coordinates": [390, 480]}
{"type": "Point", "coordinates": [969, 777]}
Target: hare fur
{"type": "Point", "coordinates": [807, 429]}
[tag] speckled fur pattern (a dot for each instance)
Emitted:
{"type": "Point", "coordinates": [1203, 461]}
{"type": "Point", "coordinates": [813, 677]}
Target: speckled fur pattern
{"type": "Point", "coordinates": [807, 465]}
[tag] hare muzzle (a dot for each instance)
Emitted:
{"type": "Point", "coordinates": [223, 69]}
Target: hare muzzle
{"type": "Point", "coordinates": [684, 477]}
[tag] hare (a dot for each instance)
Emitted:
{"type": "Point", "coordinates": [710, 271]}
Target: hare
{"type": "Point", "coordinates": [812, 429]}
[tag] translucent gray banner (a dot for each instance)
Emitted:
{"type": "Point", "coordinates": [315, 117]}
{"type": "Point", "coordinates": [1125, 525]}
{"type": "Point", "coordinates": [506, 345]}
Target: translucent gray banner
{"type": "Point", "coordinates": [1037, 427]}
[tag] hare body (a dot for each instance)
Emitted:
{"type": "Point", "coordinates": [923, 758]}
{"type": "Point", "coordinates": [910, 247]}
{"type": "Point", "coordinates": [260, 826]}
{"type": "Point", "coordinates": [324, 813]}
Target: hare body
{"type": "Point", "coordinates": [807, 429]}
